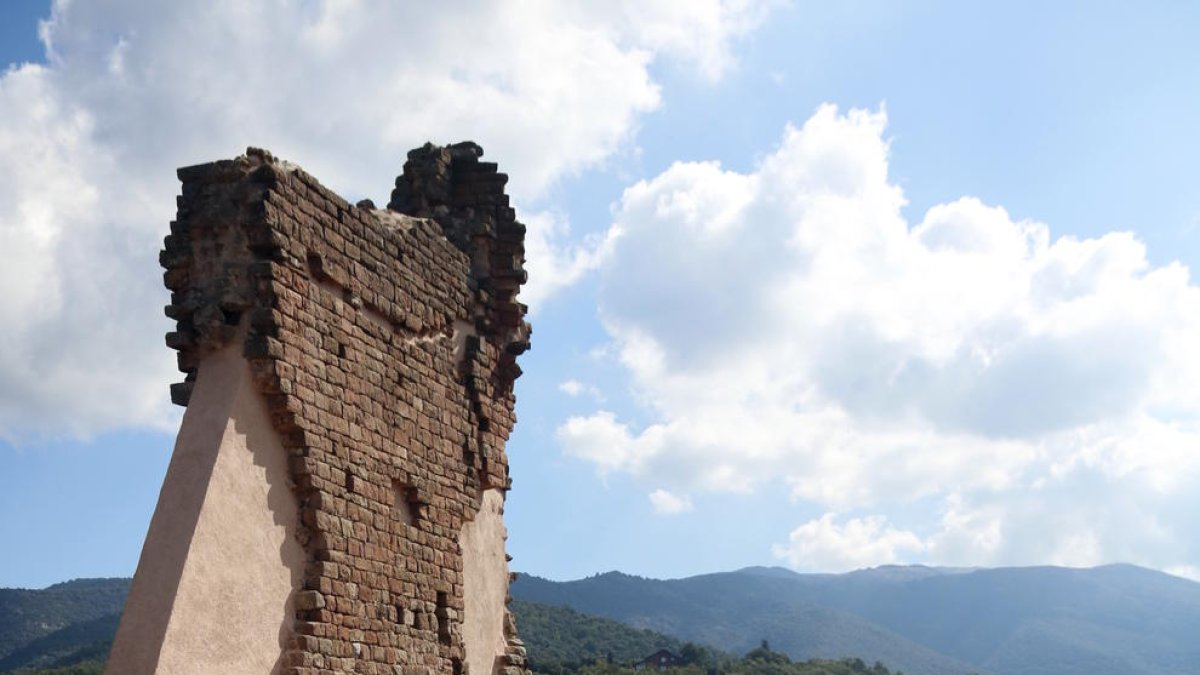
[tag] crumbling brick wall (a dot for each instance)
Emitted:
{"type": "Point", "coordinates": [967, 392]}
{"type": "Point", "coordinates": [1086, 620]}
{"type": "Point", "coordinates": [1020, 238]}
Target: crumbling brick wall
{"type": "Point", "coordinates": [385, 343]}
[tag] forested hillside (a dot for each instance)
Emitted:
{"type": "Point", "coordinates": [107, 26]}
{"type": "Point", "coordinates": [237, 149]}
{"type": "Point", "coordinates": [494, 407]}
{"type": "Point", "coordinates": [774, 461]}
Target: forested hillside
{"type": "Point", "coordinates": [62, 625]}
{"type": "Point", "coordinates": [1111, 620]}
{"type": "Point", "coordinates": [561, 640]}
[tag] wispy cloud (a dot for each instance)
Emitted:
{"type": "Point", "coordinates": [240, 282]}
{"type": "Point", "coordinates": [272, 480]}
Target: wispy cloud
{"type": "Point", "coordinates": [669, 504]}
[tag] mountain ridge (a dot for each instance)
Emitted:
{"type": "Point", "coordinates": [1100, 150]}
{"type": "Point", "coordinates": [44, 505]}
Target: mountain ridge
{"type": "Point", "coordinates": [1114, 619]}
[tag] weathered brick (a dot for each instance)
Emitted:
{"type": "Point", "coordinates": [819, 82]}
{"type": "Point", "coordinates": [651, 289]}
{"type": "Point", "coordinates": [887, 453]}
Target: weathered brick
{"type": "Point", "coordinates": [348, 315]}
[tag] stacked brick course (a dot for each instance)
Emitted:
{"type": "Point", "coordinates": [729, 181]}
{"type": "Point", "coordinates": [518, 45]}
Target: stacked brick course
{"type": "Point", "coordinates": [385, 343]}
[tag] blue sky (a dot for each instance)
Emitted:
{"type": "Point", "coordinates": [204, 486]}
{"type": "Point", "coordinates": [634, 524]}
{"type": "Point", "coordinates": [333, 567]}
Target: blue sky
{"type": "Point", "coordinates": [824, 285]}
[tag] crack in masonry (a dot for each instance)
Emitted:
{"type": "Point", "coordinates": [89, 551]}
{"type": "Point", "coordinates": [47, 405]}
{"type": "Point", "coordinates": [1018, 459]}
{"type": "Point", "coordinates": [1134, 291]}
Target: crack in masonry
{"type": "Point", "coordinates": [409, 328]}
{"type": "Point", "coordinates": [467, 346]}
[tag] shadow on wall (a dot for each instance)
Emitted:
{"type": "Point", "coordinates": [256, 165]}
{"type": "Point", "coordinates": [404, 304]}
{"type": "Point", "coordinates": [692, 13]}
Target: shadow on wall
{"type": "Point", "coordinates": [224, 533]}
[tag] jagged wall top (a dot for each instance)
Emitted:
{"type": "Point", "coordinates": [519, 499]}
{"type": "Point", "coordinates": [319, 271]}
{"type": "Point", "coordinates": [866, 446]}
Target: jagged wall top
{"type": "Point", "coordinates": [466, 197]}
{"type": "Point", "coordinates": [445, 184]}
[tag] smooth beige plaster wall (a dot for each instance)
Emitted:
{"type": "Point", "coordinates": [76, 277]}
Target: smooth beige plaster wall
{"type": "Point", "coordinates": [214, 586]}
{"type": "Point", "coordinates": [485, 584]}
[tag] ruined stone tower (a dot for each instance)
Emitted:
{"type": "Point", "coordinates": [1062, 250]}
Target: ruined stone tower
{"type": "Point", "coordinates": [334, 501]}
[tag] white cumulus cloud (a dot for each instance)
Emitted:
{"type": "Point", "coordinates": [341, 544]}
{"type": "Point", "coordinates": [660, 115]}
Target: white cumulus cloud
{"type": "Point", "coordinates": [669, 504]}
{"type": "Point", "coordinates": [789, 323]}
{"type": "Point", "coordinates": [132, 90]}
{"type": "Point", "coordinates": [824, 544]}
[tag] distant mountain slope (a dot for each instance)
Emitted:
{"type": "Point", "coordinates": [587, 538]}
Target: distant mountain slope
{"type": "Point", "coordinates": [1116, 619]}
{"type": "Point", "coordinates": [28, 615]}
{"type": "Point", "coordinates": [561, 641]}
{"type": "Point", "coordinates": [77, 643]}
{"type": "Point", "coordinates": [734, 612]}
{"type": "Point", "coordinates": [559, 638]}
{"type": "Point", "coordinates": [1113, 620]}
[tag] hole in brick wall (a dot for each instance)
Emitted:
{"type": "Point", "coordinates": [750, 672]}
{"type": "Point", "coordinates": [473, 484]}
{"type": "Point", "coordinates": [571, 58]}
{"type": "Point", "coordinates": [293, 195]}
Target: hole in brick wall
{"type": "Point", "coordinates": [349, 482]}
{"type": "Point", "coordinates": [457, 666]}
{"type": "Point", "coordinates": [316, 266]}
{"type": "Point", "coordinates": [341, 351]}
{"type": "Point", "coordinates": [231, 317]}
{"type": "Point", "coordinates": [403, 507]}
{"type": "Point", "coordinates": [443, 618]}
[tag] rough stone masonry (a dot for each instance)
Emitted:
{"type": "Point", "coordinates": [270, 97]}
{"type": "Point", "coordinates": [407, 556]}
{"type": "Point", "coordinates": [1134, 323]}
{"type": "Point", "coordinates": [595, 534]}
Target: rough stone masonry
{"type": "Point", "coordinates": [334, 501]}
